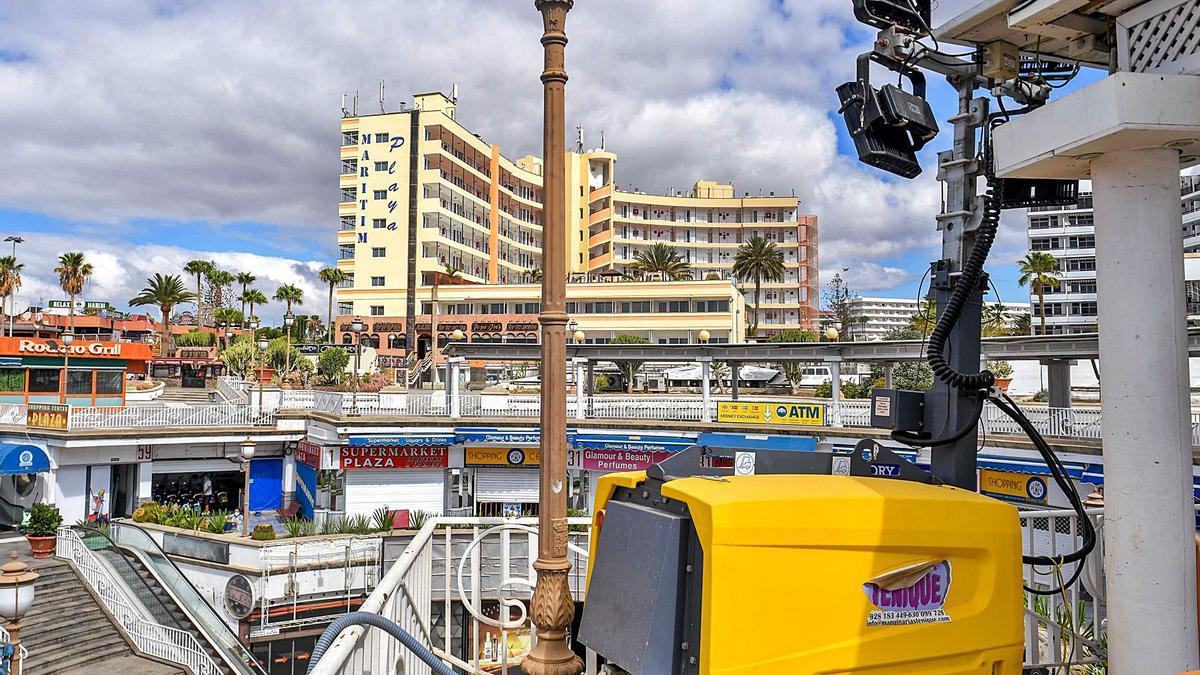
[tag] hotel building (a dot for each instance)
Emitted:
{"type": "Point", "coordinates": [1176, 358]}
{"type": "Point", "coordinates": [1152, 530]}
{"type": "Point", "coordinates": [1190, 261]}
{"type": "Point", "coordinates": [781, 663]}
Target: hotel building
{"type": "Point", "coordinates": [420, 192]}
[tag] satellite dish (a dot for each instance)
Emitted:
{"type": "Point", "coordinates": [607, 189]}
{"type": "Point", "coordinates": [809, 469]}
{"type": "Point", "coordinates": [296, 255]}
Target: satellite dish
{"type": "Point", "coordinates": [19, 305]}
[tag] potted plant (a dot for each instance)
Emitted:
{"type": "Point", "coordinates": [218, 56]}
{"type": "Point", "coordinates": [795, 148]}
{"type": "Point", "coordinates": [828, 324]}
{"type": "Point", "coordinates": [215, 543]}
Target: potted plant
{"type": "Point", "coordinates": [1003, 372]}
{"type": "Point", "coordinates": [42, 529]}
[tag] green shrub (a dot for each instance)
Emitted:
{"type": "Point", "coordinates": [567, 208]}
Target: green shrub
{"type": "Point", "coordinates": [331, 525]}
{"type": "Point", "coordinates": [216, 521]}
{"type": "Point", "coordinates": [240, 357]}
{"type": "Point", "coordinates": [263, 532]}
{"type": "Point", "coordinates": [1043, 396]}
{"type": "Point", "coordinates": [417, 519]}
{"type": "Point", "coordinates": [849, 390]}
{"type": "Point", "coordinates": [1001, 369]}
{"type": "Point", "coordinates": [294, 527]}
{"type": "Point", "coordinates": [44, 521]}
{"type": "Point", "coordinates": [603, 383]}
{"type": "Point", "coordinates": [331, 365]}
{"type": "Point", "coordinates": [382, 519]}
{"type": "Point", "coordinates": [196, 338]}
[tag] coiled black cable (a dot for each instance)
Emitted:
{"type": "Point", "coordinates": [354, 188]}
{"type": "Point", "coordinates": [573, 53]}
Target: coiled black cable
{"type": "Point", "coordinates": [968, 281]}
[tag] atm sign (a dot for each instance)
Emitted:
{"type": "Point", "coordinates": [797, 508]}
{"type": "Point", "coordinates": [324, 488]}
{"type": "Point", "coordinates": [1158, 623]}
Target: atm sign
{"type": "Point", "coordinates": [752, 412]}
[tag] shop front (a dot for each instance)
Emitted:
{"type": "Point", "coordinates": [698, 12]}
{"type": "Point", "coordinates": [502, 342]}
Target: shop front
{"type": "Point", "coordinates": [192, 366]}
{"type": "Point", "coordinates": [44, 370]}
{"type": "Point", "coordinates": [210, 476]}
{"type": "Point", "coordinates": [23, 471]}
{"type": "Point", "coordinates": [400, 472]}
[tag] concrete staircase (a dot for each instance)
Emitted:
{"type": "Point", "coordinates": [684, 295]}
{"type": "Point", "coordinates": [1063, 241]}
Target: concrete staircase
{"type": "Point", "coordinates": [174, 395]}
{"type": "Point", "coordinates": [67, 629]}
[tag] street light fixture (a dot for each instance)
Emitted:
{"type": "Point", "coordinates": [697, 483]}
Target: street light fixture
{"type": "Point", "coordinates": [831, 334]}
{"type": "Point", "coordinates": [67, 339]}
{"type": "Point", "coordinates": [16, 597]}
{"type": "Point", "coordinates": [703, 335]}
{"type": "Point", "coordinates": [247, 455]}
{"type": "Point", "coordinates": [13, 310]}
{"type": "Point", "coordinates": [356, 327]}
{"type": "Point", "coordinates": [262, 354]}
{"type": "Point", "coordinates": [578, 336]}
{"type": "Point", "coordinates": [457, 335]}
{"type": "Point", "coordinates": [289, 320]}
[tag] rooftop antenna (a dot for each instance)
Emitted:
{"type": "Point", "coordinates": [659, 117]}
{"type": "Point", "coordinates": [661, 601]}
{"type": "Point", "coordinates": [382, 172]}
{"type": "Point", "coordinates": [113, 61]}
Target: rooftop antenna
{"type": "Point", "coordinates": [356, 103]}
{"type": "Point", "coordinates": [345, 112]}
{"type": "Point", "coordinates": [382, 110]}
{"type": "Point", "coordinates": [601, 139]}
{"type": "Point", "coordinates": [579, 138]}
{"type": "Point", "coordinates": [454, 93]}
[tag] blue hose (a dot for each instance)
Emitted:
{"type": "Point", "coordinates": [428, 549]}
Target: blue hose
{"type": "Point", "coordinates": [388, 626]}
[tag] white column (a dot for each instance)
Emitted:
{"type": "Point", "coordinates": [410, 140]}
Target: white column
{"type": "Point", "coordinates": [1149, 525]}
{"type": "Point", "coordinates": [887, 375]}
{"type": "Point", "coordinates": [835, 371]}
{"type": "Point", "coordinates": [580, 389]}
{"type": "Point", "coordinates": [289, 477]}
{"type": "Point", "coordinates": [452, 366]}
{"type": "Point", "coordinates": [705, 391]}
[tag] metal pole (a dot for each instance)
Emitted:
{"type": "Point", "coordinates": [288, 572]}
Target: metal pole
{"type": "Point", "coordinates": [705, 393]}
{"type": "Point", "coordinates": [262, 362]}
{"type": "Point", "coordinates": [14, 637]}
{"type": "Point", "coordinates": [1149, 523]}
{"type": "Point", "coordinates": [246, 492]}
{"type": "Point", "coordinates": [354, 379]}
{"type": "Point", "coordinates": [552, 608]}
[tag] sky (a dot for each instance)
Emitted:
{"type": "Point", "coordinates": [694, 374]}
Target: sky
{"type": "Point", "coordinates": [148, 133]}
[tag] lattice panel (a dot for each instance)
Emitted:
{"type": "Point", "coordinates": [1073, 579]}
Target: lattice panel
{"type": "Point", "coordinates": [1164, 38]}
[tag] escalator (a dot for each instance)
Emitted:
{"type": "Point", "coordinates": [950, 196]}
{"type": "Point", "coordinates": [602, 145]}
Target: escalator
{"type": "Point", "coordinates": [166, 593]}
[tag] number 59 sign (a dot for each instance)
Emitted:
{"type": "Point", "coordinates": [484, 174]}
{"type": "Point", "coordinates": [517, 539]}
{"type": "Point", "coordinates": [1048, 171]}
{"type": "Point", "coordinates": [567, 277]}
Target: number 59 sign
{"type": "Point", "coordinates": [48, 416]}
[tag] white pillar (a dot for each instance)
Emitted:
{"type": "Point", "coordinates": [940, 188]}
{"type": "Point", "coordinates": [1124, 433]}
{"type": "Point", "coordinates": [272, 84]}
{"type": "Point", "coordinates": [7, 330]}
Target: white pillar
{"type": "Point", "coordinates": [835, 371]}
{"type": "Point", "coordinates": [1149, 524]}
{"type": "Point", "coordinates": [887, 375]}
{"type": "Point", "coordinates": [452, 367]}
{"type": "Point", "coordinates": [705, 390]}
{"type": "Point", "coordinates": [580, 389]}
{"type": "Point", "coordinates": [289, 478]}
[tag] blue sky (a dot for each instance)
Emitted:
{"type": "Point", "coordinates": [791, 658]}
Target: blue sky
{"type": "Point", "coordinates": [149, 133]}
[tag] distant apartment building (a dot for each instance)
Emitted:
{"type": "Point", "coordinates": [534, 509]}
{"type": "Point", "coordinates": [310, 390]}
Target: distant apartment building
{"type": "Point", "coordinates": [876, 317]}
{"type": "Point", "coordinates": [1068, 233]}
{"type": "Point", "coordinates": [420, 192]}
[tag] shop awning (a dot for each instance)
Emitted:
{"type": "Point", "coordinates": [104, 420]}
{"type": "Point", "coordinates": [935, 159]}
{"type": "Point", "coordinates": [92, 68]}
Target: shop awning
{"type": "Point", "coordinates": [18, 458]}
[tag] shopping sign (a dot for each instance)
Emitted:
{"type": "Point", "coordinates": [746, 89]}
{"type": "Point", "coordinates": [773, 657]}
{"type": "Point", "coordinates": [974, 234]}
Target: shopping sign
{"type": "Point", "coordinates": [394, 457]}
{"type": "Point", "coordinates": [48, 416]}
{"type": "Point", "coordinates": [501, 456]}
{"type": "Point", "coordinates": [757, 412]}
{"type": "Point", "coordinates": [309, 453]}
{"type": "Point", "coordinates": [1012, 486]}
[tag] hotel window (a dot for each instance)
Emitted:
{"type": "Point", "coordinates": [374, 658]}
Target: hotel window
{"type": "Point", "coordinates": [712, 305]}
{"type": "Point", "coordinates": [1081, 219]}
{"type": "Point", "coordinates": [376, 310]}
{"type": "Point", "coordinates": [381, 138]}
{"type": "Point", "coordinates": [1081, 264]}
{"type": "Point", "coordinates": [378, 252]}
{"type": "Point", "coordinates": [381, 166]}
{"type": "Point", "coordinates": [1041, 222]}
{"type": "Point", "coordinates": [347, 223]}
{"type": "Point", "coordinates": [1082, 241]}
{"type": "Point", "coordinates": [349, 166]}
{"type": "Point", "coordinates": [349, 138]}
{"type": "Point", "coordinates": [1083, 286]}
{"type": "Point", "coordinates": [673, 306]}
{"type": "Point", "coordinates": [598, 308]}
{"type": "Point", "coordinates": [637, 307]}
{"type": "Point", "coordinates": [494, 308]}
{"type": "Point", "coordinates": [377, 281]}
{"type": "Point", "coordinates": [43, 380]}
{"type": "Point", "coordinates": [379, 223]}
{"type": "Point", "coordinates": [349, 194]}
{"type": "Point", "coordinates": [1044, 244]}
{"type": "Point", "coordinates": [381, 194]}
{"type": "Point", "coordinates": [345, 308]}
{"type": "Point", "coordinates": [1083, 309]}
{"type": "Point", "coordinates": [345, 251]}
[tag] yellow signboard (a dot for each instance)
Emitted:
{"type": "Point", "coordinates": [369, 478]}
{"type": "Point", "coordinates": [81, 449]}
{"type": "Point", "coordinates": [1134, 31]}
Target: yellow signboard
{"type": "Point", "coordinates": [48, 416]}
{"type": "Point", "coordinates": [1013, 486]}
{"type": "Point", "coordinates": [758, 412]}
{"type": "Point", "coordinates": [501, 456]}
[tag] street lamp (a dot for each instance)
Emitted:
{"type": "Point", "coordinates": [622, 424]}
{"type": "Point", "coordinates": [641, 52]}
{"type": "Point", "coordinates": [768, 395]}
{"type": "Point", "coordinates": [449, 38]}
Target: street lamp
{"type": "Point", "coordinates": [552, 607]}
{"type": "Point", "coordinates": [578, 336]}
{"type": "Point", "coordinates": [247, 455]}
{"type": "Point", "coordinates": [221, 332]}
{"type": "Point", "coordinates": [13, 310]}
{"type": "Point", "coordinates": [16, 597]}
{"type": "Point", "coordinates": [703, 335]}
{"type": "Point", "coordinates": [262, 353]}
{"type": "Point", "coordinates": [67, 339]}
{"type": "Point", "coordinates": [356, 327]}
{"type": "Point", "coordinates": [289, 320]}
{"type": "Point", "coordinates": [831, 334]}
{"type": "Point", "coordinates": [457, 335]}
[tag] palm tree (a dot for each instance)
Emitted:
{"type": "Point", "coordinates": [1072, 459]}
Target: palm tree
{"type": "Point", "coordinates": [10, 281]}
{"type": "Point", "coordinates": [332, 276]}
{"type": "Point", "coordinates": [164, 292]}
{"type": "Point", "coordinates": [533, 274]}
{"type": "Point", "coordinates": [995, 320]}
{"type": "Point", "coordinates": [200, 269]}
{"type": "Point", "coordinates": [73, 272]}
{"type": "Point", "coordinates": [290, 294]}
{"type": "Point", "coordinates": [925, 318]}
{"type": "Point", "coordinates": [245, 279]}
{"type": "Point", "coordinates": [253, 297]}
{"type": "Point", "coordinates": [220, 279]}
{"type": "Point", "coordinates": [1039, 270]}
{"type": "Point", "coordinates": [760, 260]}
{"type": "Point", "coordinates": [662, 258]}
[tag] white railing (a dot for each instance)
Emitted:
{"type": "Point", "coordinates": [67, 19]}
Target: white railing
{"type": "Point", "coordinates": [1066, 628]}
{"type": "Point", "coordinates": [647, 408]}
{"type": "Point", "coordinates": [12, 413]}
{"type": "Point", "coordinates": [232, 387]}
{"type": "Point", "coordinates": [153, 639]}
{"type": "Point", "coordinates": [328, 402]}
{"type": "Point", "coordinates": [468, 560]}
{"type": "Point", "coordinates": [142, 416]}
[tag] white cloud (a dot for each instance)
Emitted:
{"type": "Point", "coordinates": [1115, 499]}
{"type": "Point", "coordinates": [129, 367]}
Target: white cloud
{"type": "Point", "coordinates": [870, 276]}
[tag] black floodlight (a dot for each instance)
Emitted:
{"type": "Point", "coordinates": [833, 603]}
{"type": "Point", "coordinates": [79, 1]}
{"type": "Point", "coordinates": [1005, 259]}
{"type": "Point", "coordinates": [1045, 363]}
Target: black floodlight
{"type": "Point", "coordinates": [1024, 193]}
{"type": "Point", "coordinates": [888, 125]}
{"type": "Point", "coordinates": [910, 14]}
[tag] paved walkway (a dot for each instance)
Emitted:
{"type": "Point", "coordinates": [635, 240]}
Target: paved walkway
{"type": "Point", "coordinates": [125, 665]}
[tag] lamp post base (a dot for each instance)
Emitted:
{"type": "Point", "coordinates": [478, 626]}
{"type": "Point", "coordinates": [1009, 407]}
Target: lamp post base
{"type": "Point", "coordinates": [552, 610]}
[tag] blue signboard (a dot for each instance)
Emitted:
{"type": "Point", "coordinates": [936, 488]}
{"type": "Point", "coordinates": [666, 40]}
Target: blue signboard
{"type": "Point", "coordinates": [22, 458]}
{"type": "Point", "coordinates": [403, 440]}
{"type": "Point", "coordinates": [306, 489]}
{"type": "Point", "coordinates": [634, 443]}
{"type": "Point", "coordinates": [757, 442]}
{"type": "Point", "coordinates": [503, 436]}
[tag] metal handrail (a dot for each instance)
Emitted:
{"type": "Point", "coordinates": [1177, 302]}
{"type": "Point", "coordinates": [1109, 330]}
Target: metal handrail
{"type": "Point", "coordinates": [151, 638]}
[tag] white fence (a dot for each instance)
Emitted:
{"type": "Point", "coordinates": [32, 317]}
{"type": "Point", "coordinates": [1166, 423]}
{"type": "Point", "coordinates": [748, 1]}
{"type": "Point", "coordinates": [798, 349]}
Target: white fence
{"type": "Point", "coordinates": [154, 639]}
{"type": "Point", "coordinates": [139, 416]}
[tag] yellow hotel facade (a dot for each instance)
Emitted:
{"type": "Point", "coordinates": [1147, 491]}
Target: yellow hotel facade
{"type": "Point", "coordinates": [420, 192]}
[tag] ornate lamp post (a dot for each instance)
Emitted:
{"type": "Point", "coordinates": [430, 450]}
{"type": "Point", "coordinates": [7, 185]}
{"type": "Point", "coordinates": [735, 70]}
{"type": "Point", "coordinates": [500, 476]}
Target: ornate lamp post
{"type": "Point", "coordinates": [356, 327]}
{"type": "Point", "coordinates": [247, 455]}
{"type": "Point", "coordinates": [16, 597]}
{"type": "Point", "coordinates": [67, 339]}
{"type": "Point", "coordinates": [552, 605]}
{"type": "Point", "coordinates": [289, 320]}
{"type": "Point", "coordinates": [262, 364]}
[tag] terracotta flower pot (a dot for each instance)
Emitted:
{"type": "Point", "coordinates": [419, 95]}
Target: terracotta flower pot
{"type": "Point", "coordinates": [1003, 382]}
{"type": "Point", "coordinates": [41, 547]}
